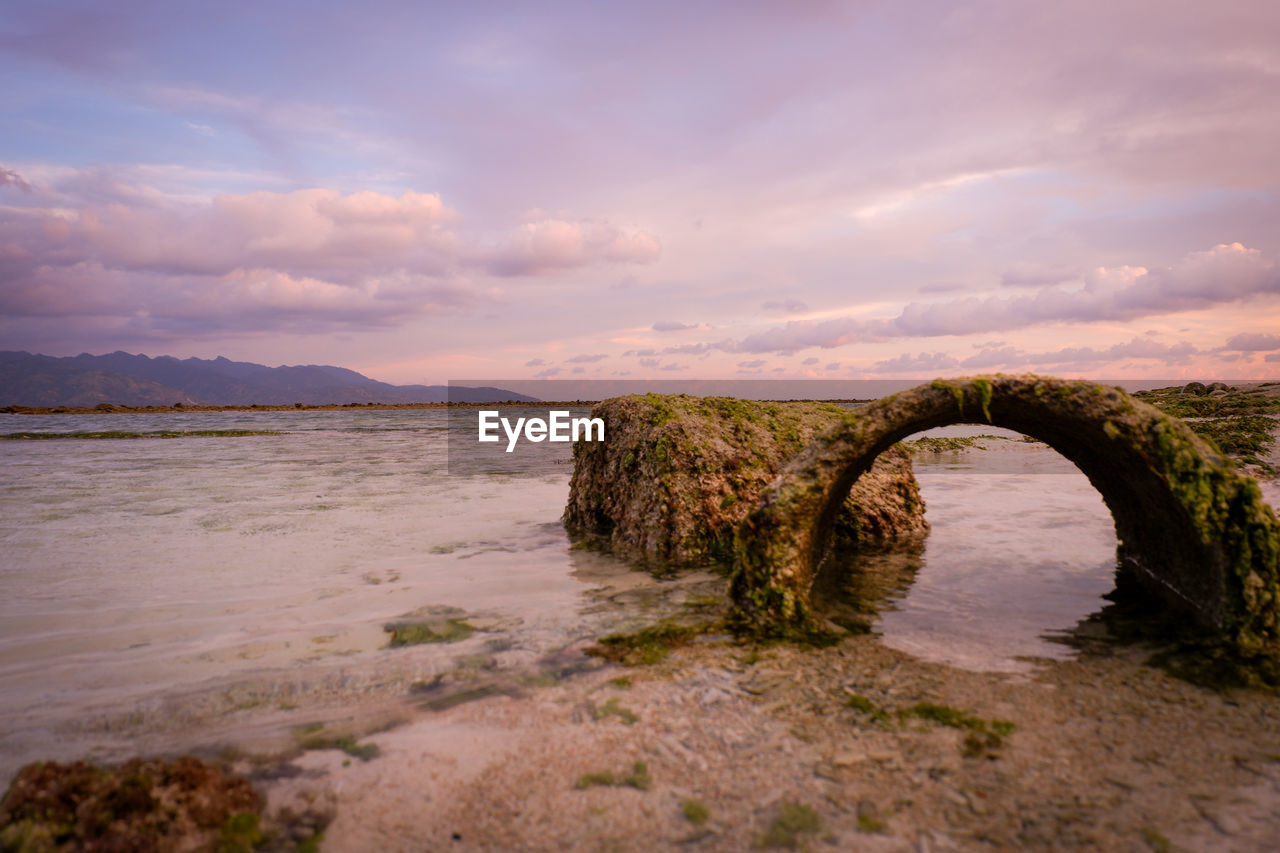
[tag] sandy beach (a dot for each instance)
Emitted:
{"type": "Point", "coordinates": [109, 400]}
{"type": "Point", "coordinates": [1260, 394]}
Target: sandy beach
{"type": "Point", "coordinates": [1107, 754]}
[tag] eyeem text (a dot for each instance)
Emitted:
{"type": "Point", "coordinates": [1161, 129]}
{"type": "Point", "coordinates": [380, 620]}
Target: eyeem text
{"type": "Point", "coordinates": [558, 427]}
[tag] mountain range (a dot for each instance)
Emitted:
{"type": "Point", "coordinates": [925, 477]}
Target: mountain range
{"type": "Point", "coordinates": [138, 380]}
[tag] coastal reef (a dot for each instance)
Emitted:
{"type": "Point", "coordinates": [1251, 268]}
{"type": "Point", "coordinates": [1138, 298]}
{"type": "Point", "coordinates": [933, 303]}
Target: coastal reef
{"type": "Point", "coordinates": [184, 804]}
{"type": "Point", "coordinates": [1241, 421]}
{"type": "Point", "coordinates": [677, 475]}
{"type": "Point", "coordinates": [1196, 539]}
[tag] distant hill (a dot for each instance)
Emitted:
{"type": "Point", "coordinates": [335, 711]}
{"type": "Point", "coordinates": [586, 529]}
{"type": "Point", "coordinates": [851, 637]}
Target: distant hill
{"type": "Point", "coordinates": [137, 380]}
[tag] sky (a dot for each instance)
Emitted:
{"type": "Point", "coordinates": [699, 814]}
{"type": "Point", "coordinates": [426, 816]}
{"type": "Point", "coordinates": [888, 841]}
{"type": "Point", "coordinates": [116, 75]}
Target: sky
{"type": "Point", "coordinates": [428, 192]}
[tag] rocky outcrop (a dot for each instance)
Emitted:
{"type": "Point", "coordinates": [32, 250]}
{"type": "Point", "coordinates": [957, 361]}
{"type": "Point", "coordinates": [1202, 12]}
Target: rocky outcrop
{"type": "Point", "coordinates": [1194, 533]}
{"type": "Point", "coordinates": [676, 475]}
{"type": "Point", "coordinates": [184, 804]}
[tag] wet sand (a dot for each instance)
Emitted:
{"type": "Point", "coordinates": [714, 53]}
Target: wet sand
{"type": "Point", "coordinates": [1107, 754]}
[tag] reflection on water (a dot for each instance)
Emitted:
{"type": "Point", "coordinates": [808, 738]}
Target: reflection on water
{"type": "Point", "coordinates": [1021, 546]}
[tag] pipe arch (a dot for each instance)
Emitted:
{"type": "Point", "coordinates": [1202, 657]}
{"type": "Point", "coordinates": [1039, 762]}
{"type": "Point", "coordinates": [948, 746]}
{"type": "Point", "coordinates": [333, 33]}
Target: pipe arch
{"type": "Point", "coordinates": [1195, 533]}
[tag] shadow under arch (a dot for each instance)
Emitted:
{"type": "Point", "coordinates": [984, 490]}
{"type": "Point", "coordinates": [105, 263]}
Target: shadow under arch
{"type": "Point", "coordinates": [1193, 533]}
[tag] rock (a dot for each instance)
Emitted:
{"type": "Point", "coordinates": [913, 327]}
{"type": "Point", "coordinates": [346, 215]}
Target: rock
{"type": "Point", "coordinates": [678, 474]}
{"type": "Point", "coordinates": [139, 805]}
{"type": "Point", "coordinates": [1196, 388]}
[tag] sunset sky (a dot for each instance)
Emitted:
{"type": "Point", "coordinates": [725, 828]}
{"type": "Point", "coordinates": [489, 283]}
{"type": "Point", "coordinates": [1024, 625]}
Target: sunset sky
{"type": "Point", "coordinates": [434, 191]}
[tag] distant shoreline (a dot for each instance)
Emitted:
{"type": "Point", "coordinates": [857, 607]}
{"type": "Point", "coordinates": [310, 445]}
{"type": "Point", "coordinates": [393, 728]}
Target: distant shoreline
{"type": "Point", "coordinates": [111, 408]}
{"type": "Point", "coordinates": [1270, 388]}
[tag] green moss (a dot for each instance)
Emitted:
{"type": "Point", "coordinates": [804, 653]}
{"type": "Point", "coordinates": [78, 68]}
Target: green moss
{"type": "Point", "coordinates": [587, 780]}
{"type": "Point", "coordinates": [414, 633]}
{"type": "Point", "coordinates": [1155, 840]}
{"type": "Point", "coordinates": [613, 708]}
{"type": "Point", "coordinates": [945, 715]}
{"type": "Point", "coordinates": [932, 444]}
{"type": "Point", "coordinates": [1206, 662]}
{"type": "Point", "coordinates": [1232, 404]}
{"type": "Point", "coordinates": [982, 739]}
{"type": "Point", "coordinates": [956, 392]}
{"type": "Point", "coordinates": [311, 737]}
{"type": "Point", "coordinates": [703, 602]}
{"type": "Point", "coordinates": [863, 705]}
{"type": "Point", "coordinates": [869, 824]}
{"type": "Point", "coordinates": [1244, 437]}
{"type": "Point", "coordinates": [981, 745]}
{"type": "Point", "coordinates": [1229, 514]}
{"type": "Point", "coordinates": [646, 646]}
{"type": "Point", "coordinates": [695, 812]}
{"type": "Point", "coordinates": [638, 778]}
{"type": "Point", "coordinates": [983, 387]}
{"type": "Point", "coordinates": [240, 834]}
{"type": "Point", "coordinates": [312, 844]}
{"type": "Point", "coordinates": [793, 821]}
{"type": "Point", "coordinates": [660, 408]}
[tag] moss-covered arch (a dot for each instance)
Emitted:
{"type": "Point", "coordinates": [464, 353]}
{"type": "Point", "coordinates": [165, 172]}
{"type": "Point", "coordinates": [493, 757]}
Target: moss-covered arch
{"type": "Point", "coordinates": [1193, 532]}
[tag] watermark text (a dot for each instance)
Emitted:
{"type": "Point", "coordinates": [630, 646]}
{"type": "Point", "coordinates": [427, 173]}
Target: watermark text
{"type": "Point", "coordinates": [558, 427]}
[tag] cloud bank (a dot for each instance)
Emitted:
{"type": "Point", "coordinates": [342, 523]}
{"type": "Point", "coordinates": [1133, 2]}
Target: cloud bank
{"type": "Point", "coordinates": [90, 246]}
{"type": "Point", "coordinates": [1227, 273]}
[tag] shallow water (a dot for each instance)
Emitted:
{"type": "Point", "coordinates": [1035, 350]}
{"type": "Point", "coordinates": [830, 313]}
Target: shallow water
{"type": "Point", "coordinates": [160, 584]}
{"type": "Point", "coordinates": [1021, 548]}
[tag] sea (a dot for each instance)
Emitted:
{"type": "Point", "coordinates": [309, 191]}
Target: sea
{"type": "Point", "coordinates": [169, 588]}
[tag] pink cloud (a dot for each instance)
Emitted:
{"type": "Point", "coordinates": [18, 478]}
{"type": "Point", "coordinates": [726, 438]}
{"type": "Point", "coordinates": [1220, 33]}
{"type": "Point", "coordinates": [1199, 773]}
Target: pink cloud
{"type": "Point", "coordinates": [784, 306]}
{"type": "Point", "coordinates": [924, 362]}
{"type": "Point", "coordinates": [553, 245]}
{"type": "Point", "coordinates": [686, 349]}
{"type": "Point", "coordinates": [90, 245]}
{"type": "Point", "coordinates": [1224, 274]}
{"type": "Point", "coordinates": [800, 334]}
{"type": "Point", "coordinates": [10, 178]}
{"type": "Point", "coordinates": [1252, 343]}
{"type": "Point", "coordinates": [1082, 357]}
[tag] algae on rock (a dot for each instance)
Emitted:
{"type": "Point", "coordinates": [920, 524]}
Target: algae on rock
{"type": "Point", "coordinates": [1195, 534]}
{"type": "Point", "coordinates": [183, 804]}
{"type": "Point", "coordinates": [678, 474]}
